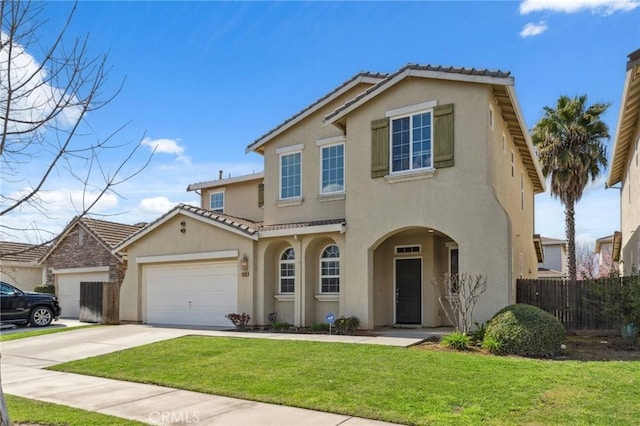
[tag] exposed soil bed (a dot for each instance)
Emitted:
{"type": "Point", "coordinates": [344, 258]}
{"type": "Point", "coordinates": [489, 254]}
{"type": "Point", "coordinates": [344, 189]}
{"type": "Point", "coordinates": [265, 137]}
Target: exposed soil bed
{"type": "Point", "coordinates": [578, 348]}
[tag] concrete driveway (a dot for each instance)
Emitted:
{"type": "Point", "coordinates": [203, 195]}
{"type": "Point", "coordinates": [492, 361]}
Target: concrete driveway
{"type": "Point", "coordinates": [22, 372]}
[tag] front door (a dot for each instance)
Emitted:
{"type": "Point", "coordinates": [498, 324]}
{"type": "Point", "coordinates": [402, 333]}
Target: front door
{"type": "Point", "coordinates": [408, 291]}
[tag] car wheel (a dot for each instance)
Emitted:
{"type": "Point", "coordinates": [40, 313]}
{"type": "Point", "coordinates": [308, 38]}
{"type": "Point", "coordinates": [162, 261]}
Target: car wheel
{"type": "Point", "coordinates": [41, 316]}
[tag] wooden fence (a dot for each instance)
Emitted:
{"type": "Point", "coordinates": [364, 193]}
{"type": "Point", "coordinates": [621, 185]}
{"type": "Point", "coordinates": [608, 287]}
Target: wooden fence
{"type": "Point", "coordinates": [99, 302]}
{"type": "Point", "coordinates": [573, 302]}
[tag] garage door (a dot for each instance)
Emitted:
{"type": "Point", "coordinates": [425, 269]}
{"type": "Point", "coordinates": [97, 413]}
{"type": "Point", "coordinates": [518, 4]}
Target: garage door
{"type": "Point", "coordinates": [69, 290]}
{"type": "Point", "coordinates": [192, 294]}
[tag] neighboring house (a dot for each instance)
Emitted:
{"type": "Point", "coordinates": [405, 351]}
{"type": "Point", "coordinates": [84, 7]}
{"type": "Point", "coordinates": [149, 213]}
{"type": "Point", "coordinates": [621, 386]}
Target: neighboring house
{"type": "Point", "coordinates": [604, 248]}
{"type": "Point", "coordinates": [555, 258]}
{"type": "Point", "coordinates": [19, 264]}
{"type": "Point", "coordinates": [83, 253]}
{"type": "Point", "coordinates": [625, 168]}
{"type": "Point", "coordinates": [369, 194]}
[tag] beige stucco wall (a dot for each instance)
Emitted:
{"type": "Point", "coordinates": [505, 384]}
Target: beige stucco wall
{"type": "Point", "coordinates": [313, 206]}
{"type": "Point", "coordinates": [25, 276]}
{"type": "Point", "coordinates": [630, 208]}
{"type": "Point", "coordinates": [459, 201]}
{"type": "Point", "coordinates": [199, 237]}
{"type": "Point", "coordinates": [240, 199]}
{"type": "Point", "coordinates": [507, 190]}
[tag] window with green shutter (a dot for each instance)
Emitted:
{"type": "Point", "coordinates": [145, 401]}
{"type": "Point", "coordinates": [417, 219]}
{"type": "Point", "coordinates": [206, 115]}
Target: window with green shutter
{"type": "Point", "coordinates": [443, 140]}
{"type": "Point", "coordinates": [260, 194]}
{"type": "Point", "coordinates": [379, 148]}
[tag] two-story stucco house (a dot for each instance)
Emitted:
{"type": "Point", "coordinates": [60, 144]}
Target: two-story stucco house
{"type": "Point", "coordinates": [369, 194]}
{"type": "Point", "coordinates": [625, 169]}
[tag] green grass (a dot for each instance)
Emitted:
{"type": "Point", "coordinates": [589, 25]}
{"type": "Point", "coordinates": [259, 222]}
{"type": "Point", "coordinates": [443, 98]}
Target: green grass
{"type": "Point", "coordinates": [412, 386]}
{"type": "Point", "coordinates": [25, 334]}
{"type": "Point", "coordinates": [22, 410]}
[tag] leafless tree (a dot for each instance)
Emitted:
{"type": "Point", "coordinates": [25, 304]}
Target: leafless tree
{"type": "Point", "coordinates": [458, 295]}
{"type": "Point", "coordinates": [586, 262]}
{"type": "Point", "coordinates": [48, 91]}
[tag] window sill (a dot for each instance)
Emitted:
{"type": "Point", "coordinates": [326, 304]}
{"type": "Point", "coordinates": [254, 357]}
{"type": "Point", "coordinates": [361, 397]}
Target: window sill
{"type": "Point", "coordinates": [290, 202]}
{"type": "Point", "coordinates": [284, 297]}
{"type": "Point", "coordinates": [339, 196]}
{"type": "Point", "coordinates": [412, 175]}
{"type": "Point", "coordinates": [327, 297]}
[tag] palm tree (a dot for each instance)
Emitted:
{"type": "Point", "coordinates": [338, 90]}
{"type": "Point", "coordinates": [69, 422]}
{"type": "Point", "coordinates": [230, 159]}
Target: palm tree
{"type": "Point", "coordinates": [570, 149]}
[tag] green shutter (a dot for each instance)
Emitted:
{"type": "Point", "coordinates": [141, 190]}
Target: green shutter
{"type": "Point", "coordinates": [379, 148]}
{"type": "Point", "coordinates": [443, 136]}
{"type": "Point", "coordinates": [260, 194]}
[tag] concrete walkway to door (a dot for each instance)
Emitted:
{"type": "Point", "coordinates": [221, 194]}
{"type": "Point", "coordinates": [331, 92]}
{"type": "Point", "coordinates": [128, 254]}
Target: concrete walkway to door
{"type": "Point", "coordinates": [23, 361]}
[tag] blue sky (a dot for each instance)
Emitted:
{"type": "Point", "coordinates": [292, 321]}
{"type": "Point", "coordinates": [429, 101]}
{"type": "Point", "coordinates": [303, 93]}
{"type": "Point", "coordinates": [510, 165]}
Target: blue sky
{"type": "Point", "coordinates": [205, 79]}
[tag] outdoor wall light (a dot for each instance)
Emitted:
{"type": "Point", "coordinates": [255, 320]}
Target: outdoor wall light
{"type": "Point", "coordinates": [244, 263]}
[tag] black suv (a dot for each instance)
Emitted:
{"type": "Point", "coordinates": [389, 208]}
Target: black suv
{"type": "Point", "coordinates": [20, 307]}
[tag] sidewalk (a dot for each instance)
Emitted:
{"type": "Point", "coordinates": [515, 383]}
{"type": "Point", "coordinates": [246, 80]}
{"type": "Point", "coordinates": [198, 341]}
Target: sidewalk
{"type": "Point", "coordinates": [23, 375]}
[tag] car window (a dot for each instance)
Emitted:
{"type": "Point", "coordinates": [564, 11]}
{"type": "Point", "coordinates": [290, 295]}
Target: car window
{"type": "Point", "coordinates": [7, 290]}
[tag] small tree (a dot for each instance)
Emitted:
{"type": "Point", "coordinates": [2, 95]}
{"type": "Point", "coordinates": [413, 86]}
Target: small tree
{"type": "Point", "coordinates": [458, 295]}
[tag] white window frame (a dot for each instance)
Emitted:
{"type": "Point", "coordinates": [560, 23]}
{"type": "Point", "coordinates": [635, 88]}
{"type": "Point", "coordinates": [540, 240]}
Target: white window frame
{"type": "Point", "coordinates": [450, 248]}
{"type": "Point", "coordinates": [513, 164]}
{"type": "Point", "coordinates": [281, 262]}
{"type": "Point", "coordinates": [217, 210]}
{"type": "Point", "coordinates": [410, 112]}
{"type": "Point", "coordinates": [328, 143]}
{"type": "Point", "coordinates": [491, 117]}
{"type": "Point", "coordinates": [329, 259]}
{"type": "Point", "coordinates": [281, 156]}
{"type": "Point", "coordinates": [398, 249]}
{"type": "Point", "coordinates": [522, 191]}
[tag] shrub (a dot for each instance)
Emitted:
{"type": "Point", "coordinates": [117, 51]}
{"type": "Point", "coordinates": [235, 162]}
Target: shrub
{"type": "Point", "coordinates": [477, 335]}
{"type": "Point", "coordinates": [525, 330]}
{"type": "Point", "coordinates": [45, 289]}
{"type": "Point", "coordinates": [280, 326]}
{"type": "Point", "coordinates": [492, 345]}
{"type": "Point", "coordinates": [319, 327]}
{"type": "Point", "coordinates": [346, 325]}
{"type": "Point", "coordinates": [456, 340]}
{"type": "Point", "coordinates": [239, 320]}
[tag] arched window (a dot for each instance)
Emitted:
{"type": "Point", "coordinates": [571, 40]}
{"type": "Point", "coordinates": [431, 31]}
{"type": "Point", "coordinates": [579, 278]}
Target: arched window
{"type": "Point", "coordinates": [330, 270]}
{"type": "Point", "coordinates": [287, 271]}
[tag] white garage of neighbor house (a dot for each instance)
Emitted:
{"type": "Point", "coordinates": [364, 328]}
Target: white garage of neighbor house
{"type": "Point", "coordinates": [83, 253]}
{"type": "Point", "coordinates": [189, 267]}
{"type": "Point", "coordinates": [20, 264]}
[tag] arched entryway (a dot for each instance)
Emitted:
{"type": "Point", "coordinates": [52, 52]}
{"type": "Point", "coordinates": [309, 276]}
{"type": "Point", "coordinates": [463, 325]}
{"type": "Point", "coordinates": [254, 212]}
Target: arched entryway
{"type": "Point", "coordinates": [406, 264]}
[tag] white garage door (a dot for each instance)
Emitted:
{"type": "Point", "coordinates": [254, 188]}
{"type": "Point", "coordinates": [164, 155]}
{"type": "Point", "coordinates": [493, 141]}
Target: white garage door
{"type": "Point", "coordinates": [192, 294]}
{"type": "Point", "coordinates": [69, 290]}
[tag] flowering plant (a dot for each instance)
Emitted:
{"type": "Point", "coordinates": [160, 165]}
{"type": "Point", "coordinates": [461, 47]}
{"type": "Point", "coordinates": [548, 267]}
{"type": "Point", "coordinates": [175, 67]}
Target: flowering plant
{"type": "Point", "coordinates": [239, 320]}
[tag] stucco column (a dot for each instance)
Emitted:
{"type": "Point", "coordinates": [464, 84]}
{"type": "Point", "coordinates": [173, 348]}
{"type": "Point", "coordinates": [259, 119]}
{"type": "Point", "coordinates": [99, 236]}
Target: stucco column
{"type": "Point", "coordinates": [298, 308]}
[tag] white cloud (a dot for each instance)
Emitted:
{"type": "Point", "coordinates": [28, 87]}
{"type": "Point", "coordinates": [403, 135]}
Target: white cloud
{"type": "Point", "coordinates": [34, 98]}
{"type": "Point", "coordinates": [604, 7]}
{"type": "Point", "coordinates": [155, 206]}
{"type": "Point", "coordinates": [532, 29]}
{"type": "Point", "coordinates": [167, 146]}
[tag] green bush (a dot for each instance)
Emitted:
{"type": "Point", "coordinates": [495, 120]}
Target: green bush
{"type": "Point", "coordinates": [492, 345]}
{"type": "Point", "coordinates": [456, 340]}
{"type": "Point", "coordinates": [280, 326]}
{"type": "Point", "coordinates": [477, 335]}
{"type": "Point", "coordinates": [45, 289]}
{"type": "Point", "coordinates": [319, 327]}
{"type": "Point", "coordinates": [346, 325]}
{"type": "Point", "coordinates": [525, 330]}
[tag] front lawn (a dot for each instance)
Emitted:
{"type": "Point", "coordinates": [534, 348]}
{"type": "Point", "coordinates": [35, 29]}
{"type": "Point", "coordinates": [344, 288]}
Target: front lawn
{"type": "Point", "coordinates": [411, 386]}
{"type": "Point", "coordinates": [5, 337]}
{"type": "Point", "coordinates": [29, 411]}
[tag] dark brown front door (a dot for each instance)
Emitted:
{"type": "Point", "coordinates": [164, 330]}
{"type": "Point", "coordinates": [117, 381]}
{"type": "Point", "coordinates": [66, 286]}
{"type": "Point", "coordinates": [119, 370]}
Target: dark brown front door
{"type": "Point", "coordinates": [408, 291]}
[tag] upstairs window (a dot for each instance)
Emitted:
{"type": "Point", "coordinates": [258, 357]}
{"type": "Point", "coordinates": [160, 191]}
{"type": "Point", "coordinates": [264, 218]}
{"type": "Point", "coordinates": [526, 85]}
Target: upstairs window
{"type": "Point", "coordinates": [290, 176]}
{"type": "Point", "coordinates": [216, 202]}
{"type": "Point", "coordinates": [330, 270]}
{"type": "Point", "coordinates": [332, 169]}
{"type": "Point", "coordinates": [287, 271]}
{"type": "Point", "coordinates": [411, 142]}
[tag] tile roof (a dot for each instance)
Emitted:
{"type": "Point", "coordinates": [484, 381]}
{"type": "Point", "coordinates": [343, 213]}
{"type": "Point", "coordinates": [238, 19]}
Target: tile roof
{"type": "Point", "coordinates": [223, 182]}
{"type": "Point", "coordinates": [314, 106]}
{"type": "Point", "coordinates": [21, 252]}
{"type": "Point", "coordinates": [547, 240]}
{"type": "Point", "coordinates": [110, 233]}
{"type": "Point", "coordinates": [244, 226]}
{"type": "Point", "coordinates": [478, 72]}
